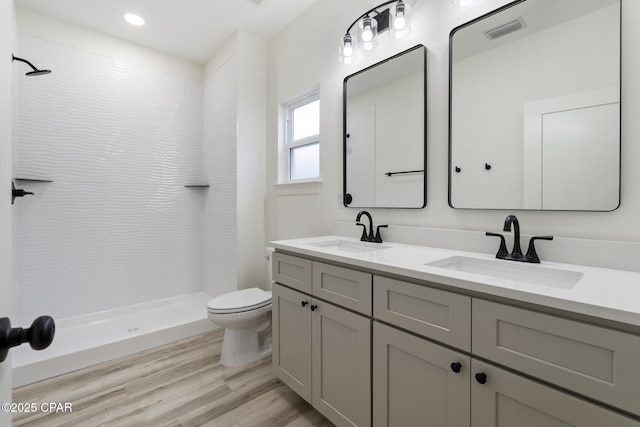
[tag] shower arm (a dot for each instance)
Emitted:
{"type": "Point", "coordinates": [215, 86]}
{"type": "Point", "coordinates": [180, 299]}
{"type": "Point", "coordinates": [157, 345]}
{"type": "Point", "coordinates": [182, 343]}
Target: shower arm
{"type": "Point", "coordinates": [35, 72]}
{"type": "Point", "coordinates": [15, 58]}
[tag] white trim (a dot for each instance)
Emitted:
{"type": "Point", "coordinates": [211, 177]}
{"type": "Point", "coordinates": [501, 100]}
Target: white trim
{"type": "Point", "coordinates": [298, 188]}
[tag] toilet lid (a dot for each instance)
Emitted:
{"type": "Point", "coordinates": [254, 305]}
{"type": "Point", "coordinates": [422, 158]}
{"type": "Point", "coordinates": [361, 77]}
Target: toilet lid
{"type": "Point", "coordinates": [242, 300]}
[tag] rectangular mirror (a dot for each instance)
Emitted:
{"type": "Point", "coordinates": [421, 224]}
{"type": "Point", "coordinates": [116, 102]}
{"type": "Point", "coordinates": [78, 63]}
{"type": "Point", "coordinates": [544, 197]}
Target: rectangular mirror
{"type": "Point", "coordinates": [385, 133]}
{"type": "Point", "coordinates": [534, 99]}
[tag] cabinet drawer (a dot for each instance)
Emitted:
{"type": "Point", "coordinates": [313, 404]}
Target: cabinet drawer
{"type": "Point", "coordinates": [590, 360]}
{"type": "Point", "coordinates": [348, 288]}
{"type": "Point", "coordinates": [292, 271]}
{"type": "Point", "coordinates": [436, 314]}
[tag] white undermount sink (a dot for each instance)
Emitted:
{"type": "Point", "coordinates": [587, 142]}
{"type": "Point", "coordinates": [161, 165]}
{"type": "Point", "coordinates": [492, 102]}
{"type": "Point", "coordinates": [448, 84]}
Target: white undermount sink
{"type": "Point", "coordinates": [349, 246]}
{"type": "Point", "coordinates": [534, 274]}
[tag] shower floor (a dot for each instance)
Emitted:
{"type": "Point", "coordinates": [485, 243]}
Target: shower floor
{"type": "Point", "coordinates": [94, 338]}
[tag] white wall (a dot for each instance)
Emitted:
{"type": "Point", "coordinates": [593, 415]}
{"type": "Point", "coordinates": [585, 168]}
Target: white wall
{"type": "Point", "coordinates": [304, 56]}
{"type": "Point", "coordinates": [120, 139]}
{"type": "Point", "coordinates": [220, 211]}
{"type": "Point", "coordinates": [251, 166]}
{"type": "Point", "coordinates": [234, 152]}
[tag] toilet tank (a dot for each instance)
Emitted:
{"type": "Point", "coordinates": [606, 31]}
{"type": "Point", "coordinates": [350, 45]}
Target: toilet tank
{"type": "Point", "coordinates": [268, 255]}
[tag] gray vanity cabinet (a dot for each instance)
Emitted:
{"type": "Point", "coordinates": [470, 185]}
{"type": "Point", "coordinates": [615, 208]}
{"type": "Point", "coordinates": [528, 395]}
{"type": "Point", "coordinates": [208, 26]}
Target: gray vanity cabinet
{"type": "Point", "coordinates": [418, 381]}
{"type": "Point", "coordinates": [320, 349]}
{"type": "Point", "coordinates": [409, 354]}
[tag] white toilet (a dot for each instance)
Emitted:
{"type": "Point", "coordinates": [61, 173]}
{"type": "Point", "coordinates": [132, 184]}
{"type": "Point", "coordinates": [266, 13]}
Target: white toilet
{"type": "Point", "coordinates": [245, 314]}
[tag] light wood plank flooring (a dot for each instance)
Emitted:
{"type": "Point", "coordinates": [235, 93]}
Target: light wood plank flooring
{"type": "Point", "coordinates": [181, 384]}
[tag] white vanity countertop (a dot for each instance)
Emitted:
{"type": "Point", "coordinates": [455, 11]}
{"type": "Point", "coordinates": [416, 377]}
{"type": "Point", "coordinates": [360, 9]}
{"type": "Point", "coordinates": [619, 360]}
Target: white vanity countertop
{"type": "Point", "coordinates": [603, 293]}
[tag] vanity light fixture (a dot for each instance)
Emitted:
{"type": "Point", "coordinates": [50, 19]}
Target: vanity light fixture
{"type": "Point", "coordinates": [133, 19]}
{"type": "Point", "coordinates": [394, 19]}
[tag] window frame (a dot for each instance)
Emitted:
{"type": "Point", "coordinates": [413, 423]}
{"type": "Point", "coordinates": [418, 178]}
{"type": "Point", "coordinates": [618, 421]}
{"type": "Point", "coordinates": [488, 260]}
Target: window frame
{"type": "Point", "coordinates": [290, 144]}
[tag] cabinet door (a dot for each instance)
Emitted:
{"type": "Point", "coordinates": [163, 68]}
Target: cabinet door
{"type": "Point", "coordinates": [341, 364]}
{"type": "Point", "coordinates": [414, 384]}
{"type": "Point", "coordinates": [507, 399]}
{"type": "Point", "coordinates": [291, 343]}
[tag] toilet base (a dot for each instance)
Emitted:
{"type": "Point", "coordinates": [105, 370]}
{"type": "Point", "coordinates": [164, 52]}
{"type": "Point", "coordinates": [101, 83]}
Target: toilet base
{"type": "Point", "coordinates": [241, 347]}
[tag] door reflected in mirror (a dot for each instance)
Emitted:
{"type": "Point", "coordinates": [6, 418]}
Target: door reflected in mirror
{"type": "Point", "coordinates": [535, 107]}
{"type": "Point", "coordinates": [385, 133]}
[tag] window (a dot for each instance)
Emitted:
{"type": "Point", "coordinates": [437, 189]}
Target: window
{"type": "Point", "coordinates": [303, 138]}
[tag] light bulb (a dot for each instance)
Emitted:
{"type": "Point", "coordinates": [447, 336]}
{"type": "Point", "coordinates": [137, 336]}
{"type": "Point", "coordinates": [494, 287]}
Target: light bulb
{"type": "Point", "coordinates": [367, 33]}
{"type": "Point", "coordinates": [347, 48]}
{"type": "Point", "coordinates": [347, 51]}
{"type": "Point", "coordinates": [367, 45]}
{"type": "Point", "coordinates": [399, 22]}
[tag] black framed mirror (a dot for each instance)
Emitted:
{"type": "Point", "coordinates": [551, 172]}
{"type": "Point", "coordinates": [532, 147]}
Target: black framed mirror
{"type": "Point", "coordinates": [384, 139]}
{"type": "Point", "coordinates": [534, 120]}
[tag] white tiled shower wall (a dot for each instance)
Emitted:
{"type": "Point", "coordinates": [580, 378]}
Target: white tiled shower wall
{"type": "Point", "coordinates": [116, 226]}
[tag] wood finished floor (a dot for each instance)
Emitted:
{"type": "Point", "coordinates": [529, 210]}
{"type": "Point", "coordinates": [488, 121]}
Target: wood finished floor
{"type": "Point", "coordinates": [180, 384]}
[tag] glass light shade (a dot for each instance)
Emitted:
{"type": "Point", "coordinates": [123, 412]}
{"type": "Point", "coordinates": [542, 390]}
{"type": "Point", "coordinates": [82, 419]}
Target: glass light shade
{"type": "Point", "coordinates": [400, 20]}
{"type": "Point", "coordinates": [370, 45]}
{"type": "Point", "coordinates": [368, 29]}
{"type": "Point", "coordinates": [347, 50]}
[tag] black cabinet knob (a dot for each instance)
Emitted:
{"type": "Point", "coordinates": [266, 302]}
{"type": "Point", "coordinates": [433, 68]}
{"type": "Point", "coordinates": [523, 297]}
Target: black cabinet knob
{"type": "Point", "coordinates": [313, 307]}
{"type": "Point", "coordinates": [481, 377]}
{"type": "Point", "coordinates": [304, 303]}
{"type": "Point", "coordinates": [456, 367]}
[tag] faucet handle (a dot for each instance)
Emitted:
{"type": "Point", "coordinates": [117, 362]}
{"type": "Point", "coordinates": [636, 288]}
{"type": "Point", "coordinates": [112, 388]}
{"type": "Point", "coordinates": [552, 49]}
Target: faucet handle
{"type": "Point", "coordinates": [364, 237]}
{"type": "Point", "coordinates": [531, 255]}
{"type": "Point", "coordinates": [378, 238]}
{"type": "Point", "coordinates": [502, 250]}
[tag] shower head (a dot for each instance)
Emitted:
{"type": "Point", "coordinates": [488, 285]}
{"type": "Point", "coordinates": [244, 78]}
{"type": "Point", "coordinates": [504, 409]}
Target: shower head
{"type": "Point", "coordinates": [35, 72]}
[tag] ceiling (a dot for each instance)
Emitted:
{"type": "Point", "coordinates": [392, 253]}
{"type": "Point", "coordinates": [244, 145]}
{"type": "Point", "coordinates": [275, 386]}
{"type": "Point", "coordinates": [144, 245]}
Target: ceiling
{"type": "Point", "coordinates": [191, 29]}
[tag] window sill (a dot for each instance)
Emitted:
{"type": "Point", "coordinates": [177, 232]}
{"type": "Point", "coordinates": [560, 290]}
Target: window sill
{"type": "Point", "coordinates": [298, 188]}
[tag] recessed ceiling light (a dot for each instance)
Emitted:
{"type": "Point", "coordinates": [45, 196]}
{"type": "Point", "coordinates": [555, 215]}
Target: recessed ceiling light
{"type": "Point", "coordinates": [134, 19]}
{"type": "Point", "coordinates": [462, 3]}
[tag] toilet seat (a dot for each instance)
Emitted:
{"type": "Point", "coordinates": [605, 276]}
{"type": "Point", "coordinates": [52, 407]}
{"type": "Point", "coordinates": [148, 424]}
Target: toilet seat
{"type": "Point", "coordinates": [239, 301]}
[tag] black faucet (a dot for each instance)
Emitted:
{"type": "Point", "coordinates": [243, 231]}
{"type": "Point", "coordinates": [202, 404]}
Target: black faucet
{"type": "Point", "coordinates": [369, 237]}
{"type": "Point", "coordinates": [365, 237]}
{"type": "Point", "coordinates": [516, 253]}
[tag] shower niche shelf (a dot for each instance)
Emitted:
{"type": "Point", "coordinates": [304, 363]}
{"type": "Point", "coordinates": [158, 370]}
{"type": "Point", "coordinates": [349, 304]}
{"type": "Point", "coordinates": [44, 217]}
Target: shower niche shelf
{"type": "Point", "coordinates": [31, 180]}
{"type": "Point", "coordinates": [197, 186]}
